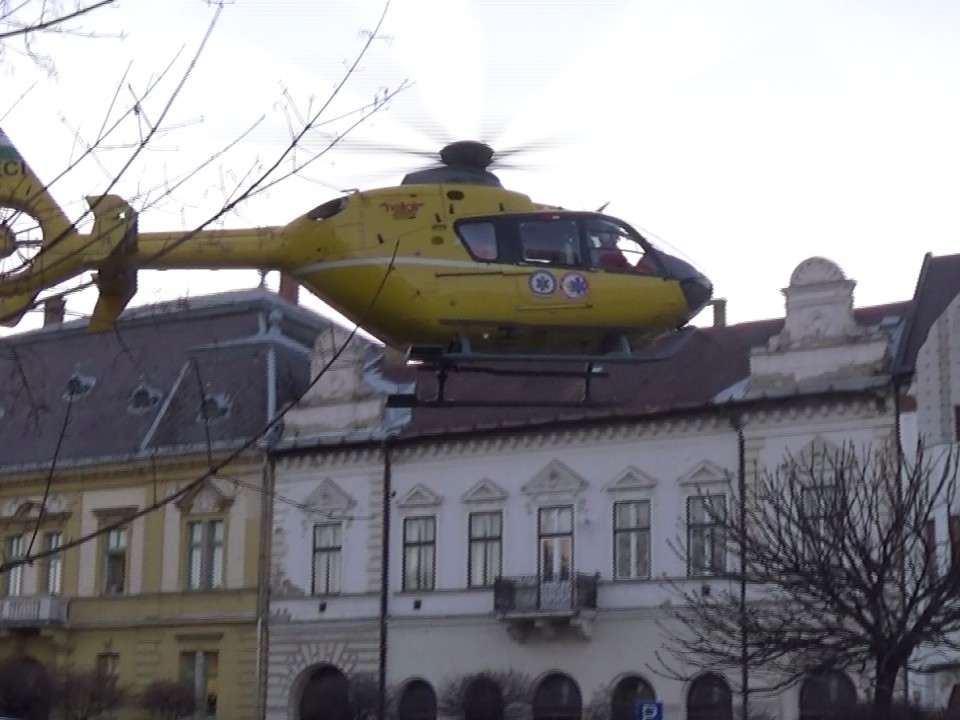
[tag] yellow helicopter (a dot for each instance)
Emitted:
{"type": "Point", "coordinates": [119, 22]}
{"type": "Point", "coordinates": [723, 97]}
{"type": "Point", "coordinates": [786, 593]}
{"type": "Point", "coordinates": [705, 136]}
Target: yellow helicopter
{"type": "Point", "coordinates": [447, 263]}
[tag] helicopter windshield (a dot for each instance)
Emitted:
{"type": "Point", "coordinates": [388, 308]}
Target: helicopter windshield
{"type": "Point", "coordinates": [614, 247]}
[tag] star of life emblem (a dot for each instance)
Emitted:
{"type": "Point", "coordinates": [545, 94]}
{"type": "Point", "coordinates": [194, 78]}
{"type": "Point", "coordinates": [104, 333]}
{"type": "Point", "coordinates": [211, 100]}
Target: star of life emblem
{"type": "Point", "coordinates": [542, 283]}
{"type": "Point", "coordinates": [574, 285]}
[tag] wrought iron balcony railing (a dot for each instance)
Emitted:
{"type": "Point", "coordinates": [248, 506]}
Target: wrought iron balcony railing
{"type": "Point", "coordinates": [532, 594]}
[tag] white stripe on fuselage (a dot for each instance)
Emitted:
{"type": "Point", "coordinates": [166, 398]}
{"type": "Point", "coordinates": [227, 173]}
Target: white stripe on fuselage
{"type": "Point", "coordinates": [388, 260]}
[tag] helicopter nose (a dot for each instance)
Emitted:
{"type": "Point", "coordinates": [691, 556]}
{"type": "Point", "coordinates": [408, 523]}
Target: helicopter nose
{"type": "Point", "coordinates": [696, 287]}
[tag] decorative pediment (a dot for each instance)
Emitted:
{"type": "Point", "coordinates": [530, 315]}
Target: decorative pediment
{"type": "Point", "coordinates": [419, 497]}
{"type": "Point", "coordinates": [556, 477]}
{"type": "Point", "coordinates": [211, 497]}
{"type": "Point", "coordinates": [705, 473]}
{"type": "Point", "coordinates": [29, 507]}
{"type": "Point", "coordinates": [485, 491]}
{"type": "Point", "coordinates": [330, 496]}
{"type": "Point", "coordinates": [633, 478]}
{"type": "Point", "coordinates": [817, 456]}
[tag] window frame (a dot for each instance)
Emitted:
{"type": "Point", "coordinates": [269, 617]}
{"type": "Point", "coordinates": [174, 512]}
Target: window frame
{"type": "Point", "coordinates": [107, 552]}
{"type": "Point", "coordinates": [51, 563]}
{"type": "Point", "coordinates": [14, 573]}
{"type": "Point", "coordinates": [629, 531]}
{"type": "Point", "coordinates": [711, 529]}
{"type": "Point", "coordinates": [405, 585]}
{"type": "Point", "coordinates": [483, 541]}
{"type": "Point", "coordinates": [335, 550]}
{"type": "Point", "coordinates": [208, 548]}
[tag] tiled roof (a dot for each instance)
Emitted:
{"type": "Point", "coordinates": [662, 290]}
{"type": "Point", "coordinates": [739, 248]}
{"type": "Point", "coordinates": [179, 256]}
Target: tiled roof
{"type": "Point", "coordinates": [251, 347]}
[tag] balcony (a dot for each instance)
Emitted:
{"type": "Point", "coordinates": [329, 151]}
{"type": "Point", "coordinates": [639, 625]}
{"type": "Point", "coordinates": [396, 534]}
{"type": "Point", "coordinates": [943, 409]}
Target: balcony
{"type": "Point", "coordinates": [529, 604]}
{"type": "Point", "coordinates": [33, 611]}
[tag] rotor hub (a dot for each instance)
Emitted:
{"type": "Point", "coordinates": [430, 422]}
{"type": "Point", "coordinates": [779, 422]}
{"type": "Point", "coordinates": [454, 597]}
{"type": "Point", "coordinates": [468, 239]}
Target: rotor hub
{"type": "Point", "coordinates": [467, 153]}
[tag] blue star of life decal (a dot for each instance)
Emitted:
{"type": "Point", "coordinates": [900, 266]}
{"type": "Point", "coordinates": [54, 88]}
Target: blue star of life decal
{"type": "Point", "coordinates": [542, 283]}
{"type": "Point", "coordinates": [574, 285]}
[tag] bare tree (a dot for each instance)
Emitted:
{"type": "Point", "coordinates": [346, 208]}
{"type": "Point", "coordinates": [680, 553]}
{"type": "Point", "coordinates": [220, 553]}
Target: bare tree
{"type": "Point", "coordinates": [82, 695]}
{"type": "Point", "coordinates": [134, 125]}
{"type": "Point", "coordinates": [22, 22]}
{"type": "Point", "coordinates": [487, 695]}
{"type": "Point", "coordinates": [836, 552]}
{"type": "Point", "coordinates": [24, 689]}
{"type": "Point", "coordinates": [168, 699]}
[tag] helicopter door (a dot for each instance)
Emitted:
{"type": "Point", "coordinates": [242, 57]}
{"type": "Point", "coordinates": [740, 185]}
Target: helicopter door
{"type": "Point", "coordinates": [551, 260]}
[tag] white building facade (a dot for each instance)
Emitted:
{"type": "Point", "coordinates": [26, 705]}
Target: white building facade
{"type": "Point", "coordinates": [529, 560]}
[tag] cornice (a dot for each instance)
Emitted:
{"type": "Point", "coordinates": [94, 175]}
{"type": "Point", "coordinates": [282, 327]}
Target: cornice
{"type": "Point", "coordinates": [163, 468]}
{"type": "Point", "coordinates": [840, 407]}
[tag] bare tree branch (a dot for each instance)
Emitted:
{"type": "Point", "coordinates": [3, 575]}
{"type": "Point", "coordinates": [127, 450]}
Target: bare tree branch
{"type": "Point", "coordinates": [836, 552]}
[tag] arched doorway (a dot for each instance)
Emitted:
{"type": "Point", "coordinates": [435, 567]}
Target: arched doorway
{"type": "Point", "coordinates": [483, 700]}
{"type": "Point", "coordinates": [418, 701]}
{"type": "Point", "coordinates": [326, 696]}
{"type": "Point", "coordinates": [24, 689]}
{"type": "Point", "coordinates": [626, 694]}
{"type": "Point", "coordinates": [710, 699]}
{"type": "Point", "coordinates": [557, 697]}
{"type": "Point", "coordinates": [825, 693]}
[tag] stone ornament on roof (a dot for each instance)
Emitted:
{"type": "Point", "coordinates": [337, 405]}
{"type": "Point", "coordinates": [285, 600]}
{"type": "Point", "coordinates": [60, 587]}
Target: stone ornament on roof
{"type": "Point", "coordinates": [819, 307]}
{"type": "Point", "coordinates": [821, 344]}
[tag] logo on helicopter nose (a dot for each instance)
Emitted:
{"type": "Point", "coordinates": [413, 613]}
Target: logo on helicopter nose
{"type": "Point", "coordinates": [542, 283]}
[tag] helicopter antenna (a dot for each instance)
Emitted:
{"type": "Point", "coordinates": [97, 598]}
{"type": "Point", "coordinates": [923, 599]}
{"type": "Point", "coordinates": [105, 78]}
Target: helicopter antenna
{"type": "Point", "coordinates": [603, 207]}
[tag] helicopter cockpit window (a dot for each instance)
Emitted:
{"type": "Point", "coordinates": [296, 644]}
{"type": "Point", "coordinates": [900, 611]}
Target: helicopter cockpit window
{"type": "Point", "coordinates": [612, 248]}
{"type": "Point", "coordinates": [553, 242]}
{"type": "Point", "coordinates": [480, 239]}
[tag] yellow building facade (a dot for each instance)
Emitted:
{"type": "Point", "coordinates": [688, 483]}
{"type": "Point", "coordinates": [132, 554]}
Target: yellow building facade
{"type": "Point", "coordinates": [168, 595]}
{"type": "Point", "coordinates": [162, 576]}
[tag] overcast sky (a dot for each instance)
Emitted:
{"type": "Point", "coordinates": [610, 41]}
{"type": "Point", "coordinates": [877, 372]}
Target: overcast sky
{"type": "Point", "coordinates": [749, 135]}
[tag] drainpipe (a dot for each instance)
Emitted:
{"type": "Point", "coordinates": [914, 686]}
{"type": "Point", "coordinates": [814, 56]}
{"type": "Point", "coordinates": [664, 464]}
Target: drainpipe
{"type": "Point", "coordinates": [263, 583]}
{"type": "Point", "coordinates": [384, 581]}
{"type": "Point", "coordinates": [737, 422]}
{"type": "Point", "coordinates": [898, 429]}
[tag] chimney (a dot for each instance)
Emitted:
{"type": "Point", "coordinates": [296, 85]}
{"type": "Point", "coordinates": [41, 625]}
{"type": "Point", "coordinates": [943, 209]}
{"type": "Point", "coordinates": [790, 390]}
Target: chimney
{"type": "Point", "coordinates": [289, 289]}
{"type": "Point", "coordinates": [719, 312]}
{"type": "Point", "coordinates": [54, 310]}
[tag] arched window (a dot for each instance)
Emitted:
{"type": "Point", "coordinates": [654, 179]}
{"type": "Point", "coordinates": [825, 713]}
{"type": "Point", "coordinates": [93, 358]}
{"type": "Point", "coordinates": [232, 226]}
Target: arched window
{"type": "Point", "coordinates": [483, 700]}
{"type": "Point", "coordinates": [557, 698]}
{"type": "Point", "coordinates": [709, 699]}
{"type": "Point", "coordinates": [326, 696]}
{"type": "Point", "coordinates": [418, 701]}
{"type": "Point", "coordinates": [626, 694]}
{"type": "Point", "coordinates": [824, 693]}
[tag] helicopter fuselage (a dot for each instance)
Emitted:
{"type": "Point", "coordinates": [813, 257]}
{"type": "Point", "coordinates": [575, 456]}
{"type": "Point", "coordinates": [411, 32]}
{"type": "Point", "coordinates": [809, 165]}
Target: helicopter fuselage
{"type": "Point", "coordinates": [401, 263]}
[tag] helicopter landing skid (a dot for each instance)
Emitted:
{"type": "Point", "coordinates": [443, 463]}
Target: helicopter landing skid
{"type": "Point", "coordinates": [443, 363]}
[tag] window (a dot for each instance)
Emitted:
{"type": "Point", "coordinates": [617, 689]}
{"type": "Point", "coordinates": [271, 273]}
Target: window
{"type": "Point", "coordinates": [108, 666]}
{"type": "Point", "coordinates": [819, 507]}
{"type": "Point", "coordinates": [115, 561]}
{"type": "Point", "coordinates": [480, 239]}
{"type": "Point", "coordinates": [554, 242]}
{"type": "Point", "coordinates": [706, 554]}
{"type": "Point", "coordinates": [52, 566]}
{"type": "Point", "coordinates": [486, 548]}
{"type": "Point", "coordinates": [205, 555]}
{"type": "Point", "coordinates": [613, 248]}
{"type": "Point", "coordinates": [631, 540]}
{"type": "Point", "coordinates": [201, 669]}
{"type": "Point", "coordinates": [13, 578]}
{"type": "Point", "coordinates": [327, 558]}
{"type": "Point", "coordinates": [555, 528]}
{"type": "Point", "coordinates": [419, 553]}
